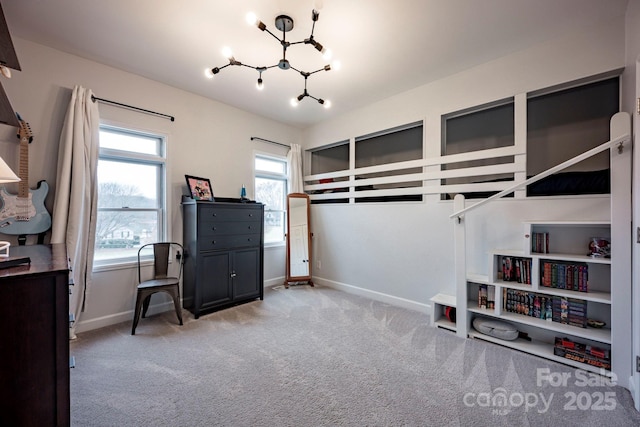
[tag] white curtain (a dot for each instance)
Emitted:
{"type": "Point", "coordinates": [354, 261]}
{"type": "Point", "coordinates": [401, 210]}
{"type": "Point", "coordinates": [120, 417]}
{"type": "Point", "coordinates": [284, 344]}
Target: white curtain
{"type": "Point", "coordinates": [75, 207]}
{"type": "Point", "coordinates": [296, 185]}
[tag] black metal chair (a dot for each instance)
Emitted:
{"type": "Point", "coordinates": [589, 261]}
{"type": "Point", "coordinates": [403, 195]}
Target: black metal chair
{"type": "Point", "coordinates": [161, 281]}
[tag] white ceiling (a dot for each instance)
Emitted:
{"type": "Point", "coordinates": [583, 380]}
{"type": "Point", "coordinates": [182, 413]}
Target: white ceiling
{"type": "Point", "coordinates": [385, 47]}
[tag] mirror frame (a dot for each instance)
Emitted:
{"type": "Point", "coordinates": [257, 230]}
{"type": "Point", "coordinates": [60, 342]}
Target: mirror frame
{"type": "Point", "coordinates": [289, 278]}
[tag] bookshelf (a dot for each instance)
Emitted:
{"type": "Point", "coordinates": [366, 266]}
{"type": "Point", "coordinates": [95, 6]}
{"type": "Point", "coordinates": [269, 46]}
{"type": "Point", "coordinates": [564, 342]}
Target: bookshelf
{"type": "Point", "coordinates": [519, 277]}
{"type": "Point", "coordinates": [439, 303]}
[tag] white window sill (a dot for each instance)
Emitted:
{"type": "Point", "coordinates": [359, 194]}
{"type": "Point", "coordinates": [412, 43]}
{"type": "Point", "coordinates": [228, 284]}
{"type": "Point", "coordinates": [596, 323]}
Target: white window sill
{"type": "Point", "coordinates": [119, 265]}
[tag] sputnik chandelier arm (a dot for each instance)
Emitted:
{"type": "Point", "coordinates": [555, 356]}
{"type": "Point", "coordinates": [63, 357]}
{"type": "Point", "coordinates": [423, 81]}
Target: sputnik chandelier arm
{"type": "Point", "coordinates": [305, 74]}
{"type": "Point", "coordinates": [283, 23]}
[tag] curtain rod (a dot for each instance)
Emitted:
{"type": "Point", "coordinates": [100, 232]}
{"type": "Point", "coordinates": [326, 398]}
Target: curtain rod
{"type": "Point", "coordinates": [270, 142]}
{"type": "Point", "coordinates": [131, 107]}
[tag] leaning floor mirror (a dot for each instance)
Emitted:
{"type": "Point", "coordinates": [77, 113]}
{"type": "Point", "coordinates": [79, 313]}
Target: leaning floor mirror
{"type": "Point", "coordinates": [298, 240]}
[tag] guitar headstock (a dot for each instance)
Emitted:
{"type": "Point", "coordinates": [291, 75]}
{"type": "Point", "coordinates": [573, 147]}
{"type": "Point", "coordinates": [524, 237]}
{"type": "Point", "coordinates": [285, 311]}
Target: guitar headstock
{"type": "Point", "coordinates": [24, 131]}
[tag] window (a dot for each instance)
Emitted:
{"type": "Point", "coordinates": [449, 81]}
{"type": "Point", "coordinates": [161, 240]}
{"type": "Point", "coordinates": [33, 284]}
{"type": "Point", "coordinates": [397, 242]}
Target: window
{"type": "Point", "coordinates": [271, 190]}
{"type": "Point", "coordinates": [131, 194]}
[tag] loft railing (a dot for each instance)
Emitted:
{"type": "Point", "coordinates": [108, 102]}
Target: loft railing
{"type": "Point", "coordinates": [427, 177]}
{"type": "Point", "coordinates": [352, 183]}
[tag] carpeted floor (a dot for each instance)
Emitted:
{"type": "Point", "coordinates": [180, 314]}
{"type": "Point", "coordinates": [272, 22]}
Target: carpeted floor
{"type": "Point", "coordinates": [320, 357]}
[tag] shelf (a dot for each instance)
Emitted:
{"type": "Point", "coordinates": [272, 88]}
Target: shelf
{"type": "Point", "coordinates": [541, 349]}
{"type": "Point", "coordinates": [572, 258]}
{"type": "Point", "coordinates": [565, 224]}
{"type": "Point", "coordinates": [509, 252]}
{"type": "Point", "coordinates": [484, 280]}
{"type": "Point", "coordinates": [438, 302]}
{"type": "Point", "coordinates": [601, 335]}
{"type": "Point", "coordinates": [445, 324]}
{"type": "Point", "coordinates": [473, 307]}
{"type": "Point", "coordinates": [601, 297]}
{"type": "Point", "coordinates": [512, 285]}
{"type": "Point", "coordinates": [478, 278]}
{"type": "Point", "coordinates": [444, 299]}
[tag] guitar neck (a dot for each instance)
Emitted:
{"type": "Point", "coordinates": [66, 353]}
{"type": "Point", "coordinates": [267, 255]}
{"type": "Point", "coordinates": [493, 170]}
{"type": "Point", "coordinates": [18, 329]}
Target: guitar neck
{"type": "Point", "coordinates": [23, 185]}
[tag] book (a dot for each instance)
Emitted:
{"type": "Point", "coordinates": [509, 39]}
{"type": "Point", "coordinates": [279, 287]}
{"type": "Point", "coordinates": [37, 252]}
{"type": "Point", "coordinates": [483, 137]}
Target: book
{"type": "Point", "coordinates": [491, 297]}
{"type": "Point", "coordinates": [584, 353]}
{"type": "Point", "coordinates": [540, 243]}
{"type": "Point", "coordinates": [482, 296]}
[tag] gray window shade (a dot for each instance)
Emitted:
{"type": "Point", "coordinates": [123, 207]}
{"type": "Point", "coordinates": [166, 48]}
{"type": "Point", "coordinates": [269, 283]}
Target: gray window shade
{"type": "Point", "coordinates": [331, 159]}
{"type": "Point", "coordinates": [394, 145]}
{"type": "Point", "coordinates": [484, 128]}
{"type": "Point", "coordinates": [391, 146]}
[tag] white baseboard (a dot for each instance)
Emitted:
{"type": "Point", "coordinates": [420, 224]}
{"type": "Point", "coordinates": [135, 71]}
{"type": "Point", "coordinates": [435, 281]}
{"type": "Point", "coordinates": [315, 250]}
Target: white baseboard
{"type": "Point", "coordinates": [274, 282]}
{"type": "Point", "coordinates": [127, 316]}
{"type": "Point", "coordinates": [374, 295]}
{"type": "Point", "coordinates": [124, 316]}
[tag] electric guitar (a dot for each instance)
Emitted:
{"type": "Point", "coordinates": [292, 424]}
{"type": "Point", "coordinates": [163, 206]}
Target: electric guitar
{"type": "Point", "coordinates": [25, 212]}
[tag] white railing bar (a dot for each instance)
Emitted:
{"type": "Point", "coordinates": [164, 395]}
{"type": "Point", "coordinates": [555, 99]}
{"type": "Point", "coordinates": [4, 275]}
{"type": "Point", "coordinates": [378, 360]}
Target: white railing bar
{"type": "Point", "coordinates": [405, 191]}
{"type": "Point", "coordinates": [619, 140]}
{"type": "Point", "coordinates": [430, 161]}
{"type": "Point", "coordinates": [505, 168]}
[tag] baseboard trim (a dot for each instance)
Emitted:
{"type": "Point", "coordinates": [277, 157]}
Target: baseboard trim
{"type": "Point", "coordinates": [274, 282]}
{"type": "Point", "coordinates": [124, 316]}
{"type": "Point", "coordinates": [374, 295]}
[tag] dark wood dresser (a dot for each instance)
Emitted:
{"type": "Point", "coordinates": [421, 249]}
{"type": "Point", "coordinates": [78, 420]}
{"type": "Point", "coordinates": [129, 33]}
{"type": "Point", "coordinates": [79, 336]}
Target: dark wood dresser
{"type": "Point", "coordinates": [34, 357]}
{"type": "Point", "coordinates": [224, 254]}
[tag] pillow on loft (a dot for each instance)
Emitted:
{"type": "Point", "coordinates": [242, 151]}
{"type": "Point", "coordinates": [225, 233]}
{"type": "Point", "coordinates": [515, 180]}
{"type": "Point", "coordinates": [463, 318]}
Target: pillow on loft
{"type": "Point", "coordinates": [495, 328]}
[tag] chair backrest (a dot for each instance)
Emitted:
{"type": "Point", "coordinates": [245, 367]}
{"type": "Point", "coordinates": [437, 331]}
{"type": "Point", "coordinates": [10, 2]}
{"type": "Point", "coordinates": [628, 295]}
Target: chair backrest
{"type": "Point", "coordinates": [161, 253]}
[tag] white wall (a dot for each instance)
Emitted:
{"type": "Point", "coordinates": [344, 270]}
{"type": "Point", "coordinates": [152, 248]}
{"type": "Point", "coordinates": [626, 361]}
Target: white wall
{"type": "Point", "coordinates": [404, 252]}
{"type": "Point", "coordinates": [207, 139]}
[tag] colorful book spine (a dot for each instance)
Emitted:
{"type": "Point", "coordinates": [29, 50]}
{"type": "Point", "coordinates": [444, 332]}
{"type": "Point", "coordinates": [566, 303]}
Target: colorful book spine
{"type": "Point", "coordinates": [569, 276]}
{"type": "Point", "coordinates": [540, 243]}
{"type": "Point", "coordinates": [514, 269]}
{"type": "Point", "coordinates": [482, 296]}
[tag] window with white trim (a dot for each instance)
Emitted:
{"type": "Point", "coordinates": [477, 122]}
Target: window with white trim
{"type": "Point", "coordinates": [271, 180]}
{"type": "Point", "coordinates": [131, 194]}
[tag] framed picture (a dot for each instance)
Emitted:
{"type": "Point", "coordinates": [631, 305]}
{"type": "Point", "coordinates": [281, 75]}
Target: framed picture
{"type": "Point", "coordinates": [200, 188]}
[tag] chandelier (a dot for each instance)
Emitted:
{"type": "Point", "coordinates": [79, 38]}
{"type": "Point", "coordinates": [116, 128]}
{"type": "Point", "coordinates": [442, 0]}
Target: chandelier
{"type": "Point", "coordinates": [283, 23]}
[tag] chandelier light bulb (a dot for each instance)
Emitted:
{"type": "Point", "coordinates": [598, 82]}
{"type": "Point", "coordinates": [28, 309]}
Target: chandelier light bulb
{"type": "Point", "coordinates": [208, 73]}
{"type": "Point", "coordinates": [252, 19]}
{"type": "Point", "coordinates": [326, 54]}
{"type": "Point", "coordinates": [294, 102]}
{"type": "Point", "coordinates": [327, 104]}
{"type": "Point", "coordinates": [227, 52]}
{"type": "Point", "coordinates": [336, 65]}
{"type": "Point", "coordinates": [259, 84]}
